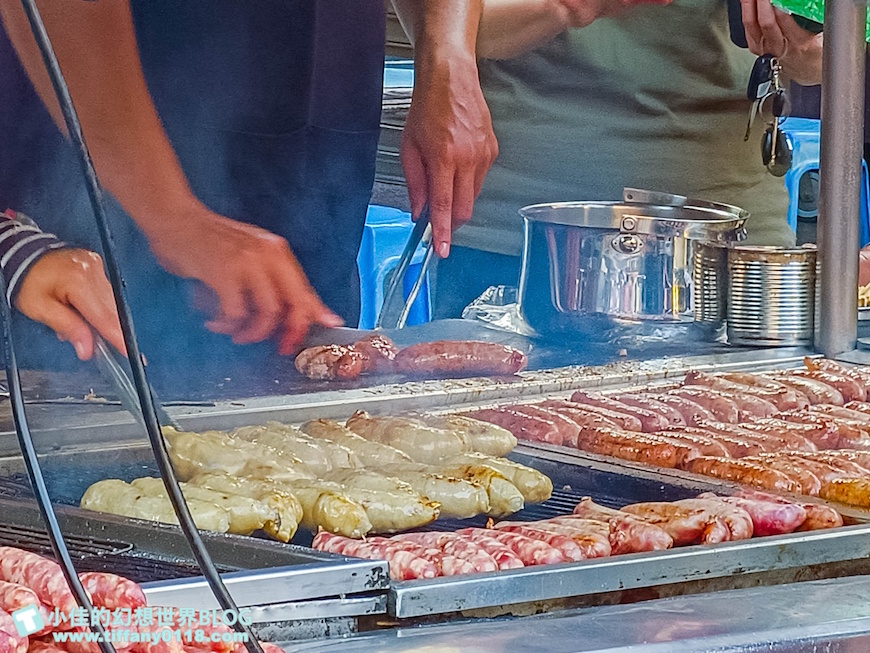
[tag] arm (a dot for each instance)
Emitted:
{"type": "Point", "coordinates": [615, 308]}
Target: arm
{"type": "Point", "coordinates": [771, 31]}
{"type": "Point", "coordinates": [258, 282]}
{"type": "Point", "coordinates": [64, 288]}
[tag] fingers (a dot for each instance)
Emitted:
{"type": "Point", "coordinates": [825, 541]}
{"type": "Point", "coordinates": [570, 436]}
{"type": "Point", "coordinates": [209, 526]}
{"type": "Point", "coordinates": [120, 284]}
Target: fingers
{"type": "Point", "coordinates": [441, 207]}
{"type": "Point", "coordinates": [266, 311]}
{"type": "Point", "coordinates": [751, 26]}
{"type": "Point", "coordinates": [864, 269]}
{"type": "Point", "coordinates": [70, 327]}
{"type": "Point", "coordinates": [464, 194]}
{"type": "Point", "coordinates": [95, 304]}
{"type": "Point", "coordinates": [415, 176]}
{"type": "Point", "coordinates": [763, 32]}
{"type": "Point", "coordinates": [233, 307]}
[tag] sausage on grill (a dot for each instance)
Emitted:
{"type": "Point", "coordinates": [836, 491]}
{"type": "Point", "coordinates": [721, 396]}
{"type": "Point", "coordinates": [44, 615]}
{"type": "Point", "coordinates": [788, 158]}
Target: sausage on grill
{"type": "Point", "coordinates": [628, 534]}
{"type": "Point", "coordinates": [649, 420]}
{"type": "Point", "coordinates": [768, 517]}
{"type": "Point", "coordinates": [741, 471]}
{"type": "Point", "coordinates": [723, 408]}
{"type": "Point", "coordinates": [522, 425]}
{"type": "Point", "coordinates": [460, 358]}
{"type": "Point", "coordinates": [672, 415]}
{"type": "Point", "coordinates": [783, 399]}
{"type": "Point", "coordinates": [816, 391]}
{"type": "Point", "coordinates": [693, 413]}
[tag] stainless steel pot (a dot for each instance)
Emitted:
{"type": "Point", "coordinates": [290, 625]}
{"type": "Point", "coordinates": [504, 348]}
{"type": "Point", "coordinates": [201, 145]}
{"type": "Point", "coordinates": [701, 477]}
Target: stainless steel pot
{"type": "Point", "coordinates": [629, 261]}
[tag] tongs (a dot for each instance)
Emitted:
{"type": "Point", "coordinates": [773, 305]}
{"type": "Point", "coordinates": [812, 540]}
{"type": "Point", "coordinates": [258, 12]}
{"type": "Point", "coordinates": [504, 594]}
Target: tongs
{"type": "Point", "coordinates": [422, 233]}
{"type": "Point", "coordinates": [114, 372]}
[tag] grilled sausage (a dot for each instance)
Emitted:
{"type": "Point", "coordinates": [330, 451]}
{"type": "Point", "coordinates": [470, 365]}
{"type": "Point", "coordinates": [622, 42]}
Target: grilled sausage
{"type": "Point", "coordinates": [824, 431]}
{"type": "Point", "coordinates": [327, 506]}
{"type": "Point", "coordinates": [816, 391]}
{"type": "Point", "coordinates": [460, 358]}
{"type": "Point", "coordinates": [737, 446]}
{"type": "Point", "coordinates": [592, 537]}
{"type": "Point", "coordinates": [852, 467]}
{"type": "Point", "coordinates": [568, 428]}
{"type": "Point", "coordinates": [367, 452]}
{"type": "Point", "coordinates": [307, 450]}
{"type": "Point", "coordinates": [404, 564]}
{"type": "Point", "coordinates": [692, 412]}
{"type": "Point", "coordinates": [522, 425]}
{"type": "Point", "coordinates": [706, 446]}
{"type": "Point", "coordinates": [685, 524]}
{"type": "Point", "coordinates": [503, 555]}
{"type": "Point", "coordinates": [766, 383]}
{"type": "Point", "coordinates": [532, 484]}
{"type": "Point", "coordinates": [818, 516]}
{"type": "Point", "coordinates": [112, 591]}
{"type": "Point", "coordinates": [771, 439]}
{"type": "Point", "coordinates": [860, 407]}
{"type": "Point", "coordinates": [672, 415]}
{"type": "Point", "coordinates": [738, 521]}
{"type": "Point", "coordinates": [423, 443]}
{"type": "Point", "coordinates": [14, 596]}
{"type": "Point", "coordinates": [824, 471]}
{"type": "Point", "coordinates": [860, 457]}
{"type": "Point", "coordinates": [504, 497]}
{"type": "Point", "coordinates": [741, 471]}
{"type": "Point", "coordinates": [593, 416]}
{"type": "Point", "coordinates": [636, 447]}
{"type": "Point", "coordinates": [805, 474]}
{"type": "Point", "coordinates": [851, 491]}
{"type": "Point", "coordinates": [649, 420]}
{"type": "Point", "coordinates": [530, 550]}
{"type": "Point", "coordinates": [850, 388]}
{"type": "Point", "coordinates": [768, 517]}
{"type": "Point", "coordinates": [483, 437]}
{"type": "Point", "coordinates": [722, 407]}
{"type": "Point", "coordinates": [783, 399]}
{"type": "Point", "coordinates": [564, 544]}
{"type": "Point", "coordinates": [628, 534]}
{"type": "Point", "coordinates": [826, 365]}
{"type": "Point", "coordinates": [330, 362]}
{"type": "Point", "coordinates": [454, 545]}
{"type": "Point", "coordinates": [378, 353]}
{"type": "Point", "coordinates": [794, 435]}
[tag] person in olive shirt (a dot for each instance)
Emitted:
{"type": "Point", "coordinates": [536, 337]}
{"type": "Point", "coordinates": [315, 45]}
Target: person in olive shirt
{"type": "Point", "coordinates": [652, 97]}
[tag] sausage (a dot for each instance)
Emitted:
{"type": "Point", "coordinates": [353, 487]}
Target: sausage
{"type": "Point", "coordinates": [422, 443]}
{"type": "Point", "coordinates": [738, 521]}
{"type": "Point", "coordinates": [692, 412]}
{"type": "Point", "coordinates": [816, 391]}
{"type": "Point", "coordinates": [851, 389]}
{"type": "Point", "coordinates": [795, 435]}
{"type": "Point", "coordinates": [568, 428]}
{"type": "Point", "coordinates": [649, 420]}
{"type": "Point", "coordinates": [771, 439]}
{"type": "Point", "coordinates": [705, 446]}
{"type": "Point", "coordinates": [532, 484]}
{"type": "Point", "coordinates": [530, 550]}
{"type": "Point", "coordinates": [804, 473]}
{"type": "Point", "coordinates": [819, 517]}
{"type": "Point", "coordinates": [330, 362]}
{"type": "Point", "coordinates": [737, 446]}
{"type": "Point", "coordinates": [741, 471]}
{"type": "Point", "coordinates": [851, 467]}
{"type": "Point", "coordinates": [672, 415]}
{"type": "Point", "coordinates": [378, 353]}
{"type": "Point", "coordinates": [367, 452]}
{"type": "Point", "coordinates": [458, 498]}
{"type": "Point", "coordinates": [593, 537]}
{"type": "Point", "coordinates": [766, 383]}
{"type": "Point", "coordinates": [842, 412]}
{"type": "Point", "coordinates": [564, 544]}
{"type": "Point", "coordinates": [111, 591]}
{"type": "Point", "coordinates": [456, 546]}
{"type": "Point", "coordinates": [633, 447]}
{"type": "Point", "coordinates": [592, 416]}
{"type": "Point", "coordinates": [522, 425]}
{"type": "Point", "coordinates": [768, 517]}
{"type": "Point", "coordinates": [860, 407]}
{"type": "Point", "coordinates": [851, 491]}
{"type": "Point", "coordinates": [860, 457]}
{"type": "Point", "coordinates": [825, 432]}
{"type": "Point", "coordinates": [685, 524]}
{"type": "Point", "coordinates": [404, 565]}
{"type": "Point", "coordinates": [41, 575]}
{"type": "Point", "coordinates": [326, 506]}
{"type": "Point", "coordinates": [460, 358]}
{"type": "Point", "coordinates": [824, 471]}
{"type": "Point", "coordinates": [826, 365]}
{"type": "Point", "coordinates": [10, 640]}
{"type": "Point", "coordinates": [503, 555]}
{"type": "Point", "coordinates": [721, 406]}
{"type": "Point", "coordinates": [628, 534]}
{"type": "Point", "coordinates": [783, 399]}
{"type": "Point", "coordinates": [504, 497]}
{"type": "Point", "coordinates": [14, 597]}
{"type": "Point", "coordinates": [483, 437]}
{"type": "Point", "coordinates": [448, 565]}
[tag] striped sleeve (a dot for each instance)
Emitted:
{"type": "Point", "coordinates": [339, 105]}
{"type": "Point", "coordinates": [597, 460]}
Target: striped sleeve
{"type": "Point", "coordinates": [21, 245]}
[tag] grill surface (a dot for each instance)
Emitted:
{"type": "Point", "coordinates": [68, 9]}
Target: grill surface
{"type": "Point", "coordinates": [79, 547]}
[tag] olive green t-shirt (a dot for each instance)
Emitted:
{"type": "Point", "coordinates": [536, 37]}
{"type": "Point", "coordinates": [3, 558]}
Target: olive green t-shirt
{"type": "Point", "coordinates": [654, 99]}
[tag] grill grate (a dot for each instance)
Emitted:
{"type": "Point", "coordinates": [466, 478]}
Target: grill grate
{"type": "Point", "coordinates": [36, 541]}
{"type": "Point", "coordinates": [143, 570]}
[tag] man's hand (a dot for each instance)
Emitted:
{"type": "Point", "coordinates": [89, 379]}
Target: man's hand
{"type": "Point", "coordinates": [67, 290]}
{"type": "Point", "coordinates": [259, 285]}
{"type": "Point", "coordinates": [772, 31]}
{"type": "Point", "coordinates": [448, 144]}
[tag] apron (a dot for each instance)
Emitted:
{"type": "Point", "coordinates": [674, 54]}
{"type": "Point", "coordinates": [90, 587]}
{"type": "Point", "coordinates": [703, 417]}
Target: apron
{"type": "Point", "coordinates": [273, 109]}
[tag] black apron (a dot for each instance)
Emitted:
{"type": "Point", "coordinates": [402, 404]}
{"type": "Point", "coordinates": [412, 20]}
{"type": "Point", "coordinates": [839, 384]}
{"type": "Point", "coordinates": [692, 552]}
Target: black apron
{"type": "Point", "coordinates": [273, 109]}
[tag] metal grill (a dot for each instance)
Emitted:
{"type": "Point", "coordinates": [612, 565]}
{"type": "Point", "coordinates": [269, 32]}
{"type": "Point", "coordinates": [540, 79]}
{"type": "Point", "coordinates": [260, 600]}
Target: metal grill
{"type": "Point", "coordinates": [143, 570]}
{"type": "Point", "coordinates": [37, 541]}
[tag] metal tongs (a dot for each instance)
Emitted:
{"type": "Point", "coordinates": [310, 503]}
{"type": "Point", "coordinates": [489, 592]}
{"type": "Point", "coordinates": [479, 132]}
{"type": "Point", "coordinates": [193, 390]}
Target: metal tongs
{"type": "Point", "coordinates": [114, 372]}
{"type": "Point", "coordinates": [422, 233]}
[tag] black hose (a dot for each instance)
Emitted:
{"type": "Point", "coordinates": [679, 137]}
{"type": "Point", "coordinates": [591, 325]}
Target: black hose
{"type": "Point", "coordinates": [34, 472]}
{"type": "Point", "coordinates": [140, 379]}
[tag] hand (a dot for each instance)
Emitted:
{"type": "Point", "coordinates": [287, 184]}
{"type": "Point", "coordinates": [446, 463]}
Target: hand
{"type": "Point", "coordinates": [772, 31]}
{"type": "Point", "coordinates": [259, 285]}
{"type": "Point", "coordinates": [448, 144]}
{"type": "Point", "coordinates": [67, 290]}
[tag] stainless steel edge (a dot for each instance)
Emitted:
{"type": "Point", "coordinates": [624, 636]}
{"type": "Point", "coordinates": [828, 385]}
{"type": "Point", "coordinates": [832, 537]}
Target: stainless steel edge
{"type": "Point", "coordinates": [355, 606]}
{"type": "Point", "coordinates": [455, 594]}
{"type": "Point", "coordinates": [273, 587]}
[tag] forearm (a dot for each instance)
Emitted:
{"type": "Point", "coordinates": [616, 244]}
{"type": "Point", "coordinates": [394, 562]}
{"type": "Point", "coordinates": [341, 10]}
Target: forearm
{"type": "Point", "coordinates": [96, 46]}
{"type": "Point", "coordinates": [505, 28]}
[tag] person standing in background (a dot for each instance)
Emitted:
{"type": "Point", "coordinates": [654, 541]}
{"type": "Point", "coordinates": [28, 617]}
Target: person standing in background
{"type": "Point", "coordinates": [650, 96]}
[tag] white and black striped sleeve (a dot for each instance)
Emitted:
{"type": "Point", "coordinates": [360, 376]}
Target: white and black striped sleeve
{"type": "Point", "coordinates": [21, 245]}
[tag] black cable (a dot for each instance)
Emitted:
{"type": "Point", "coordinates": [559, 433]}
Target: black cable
{"type": "Point", "coordinates": [140, 379]}
{"type": "Point", "coordinates": [34, 472]}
